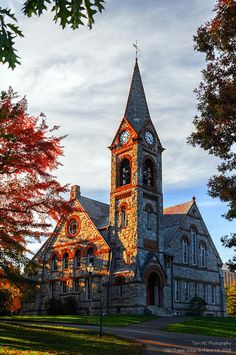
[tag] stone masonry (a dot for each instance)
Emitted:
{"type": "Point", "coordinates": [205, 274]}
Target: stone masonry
{"type": "Point", "coordinates": [145, 259]}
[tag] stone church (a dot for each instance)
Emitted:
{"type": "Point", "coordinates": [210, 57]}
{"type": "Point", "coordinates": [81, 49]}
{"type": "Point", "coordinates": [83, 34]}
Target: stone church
{"type": "Point", "coordinates": [143, 259]}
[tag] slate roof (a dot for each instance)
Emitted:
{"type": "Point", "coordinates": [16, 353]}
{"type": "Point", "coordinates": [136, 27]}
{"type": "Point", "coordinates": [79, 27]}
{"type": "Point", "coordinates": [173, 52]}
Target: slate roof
{"type": "Point", "coordinates": [97, 211]}
{"type": "Point", "coordinates": [182, 208]}
{"type": "Point", "coordinates": [136, 111]}
{"type": "Point", "coordinates": [172, 218]}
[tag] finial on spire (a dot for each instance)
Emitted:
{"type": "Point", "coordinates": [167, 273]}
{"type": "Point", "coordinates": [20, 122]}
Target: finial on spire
{"type": "Point", "coordinates": [135, 45]}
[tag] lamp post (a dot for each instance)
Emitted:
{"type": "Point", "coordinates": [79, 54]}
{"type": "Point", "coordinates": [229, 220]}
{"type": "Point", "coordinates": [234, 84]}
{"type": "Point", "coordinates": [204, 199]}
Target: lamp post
{"type": "Point", "coordinates": [101, 301]}
{"type": "Point", "coordinates": [90, 270]}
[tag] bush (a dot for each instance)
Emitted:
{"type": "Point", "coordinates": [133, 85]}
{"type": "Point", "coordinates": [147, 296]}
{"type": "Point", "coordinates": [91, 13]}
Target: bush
{"type": "Point", "coordinates": [197, 306]}
{"type": "Point", "coordinates": [3, 301]}
{"type": "Point", "coordinates": [55, 306]}
{"type": "Point", "coordinates": [69, 305]}
{"type": "Point", "coordinates": [10, 299]}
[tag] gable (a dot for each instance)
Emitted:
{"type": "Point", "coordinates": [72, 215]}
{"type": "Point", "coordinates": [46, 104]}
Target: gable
{"type": "Point", "coordinates": [90, 215]}
{"type": "Point", "coordinates": [178, 220]}
{"type": "Point", "coordinates": [124, 125]}
{"type": "Point", "coordinates": [173, 217]}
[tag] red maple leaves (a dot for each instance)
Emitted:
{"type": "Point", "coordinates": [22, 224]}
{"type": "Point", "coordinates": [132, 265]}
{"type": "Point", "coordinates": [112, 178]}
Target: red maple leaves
{"type": "Point", "coordinates": [29, 193]}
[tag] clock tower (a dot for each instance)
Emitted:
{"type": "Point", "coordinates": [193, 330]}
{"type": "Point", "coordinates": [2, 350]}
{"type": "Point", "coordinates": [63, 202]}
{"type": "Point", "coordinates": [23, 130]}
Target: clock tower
{"type": "Point", "coordinates": [136, 203]}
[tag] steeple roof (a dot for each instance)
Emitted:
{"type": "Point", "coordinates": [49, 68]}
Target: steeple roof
{"type": "Point", "coordinates": [136, 111]}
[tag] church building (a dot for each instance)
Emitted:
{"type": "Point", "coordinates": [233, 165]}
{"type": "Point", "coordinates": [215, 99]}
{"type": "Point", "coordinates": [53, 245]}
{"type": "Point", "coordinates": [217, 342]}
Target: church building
{"type": "Point", "coordinates": [132, 255]}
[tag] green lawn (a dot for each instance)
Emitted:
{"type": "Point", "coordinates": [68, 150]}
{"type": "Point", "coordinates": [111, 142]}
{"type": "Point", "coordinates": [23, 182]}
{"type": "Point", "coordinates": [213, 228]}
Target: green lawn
{"type": "Point", "coordinates": [38, 339]}
{"type": "Point", "coordinates": [114, 320]}
{"type": "Point", "coordinates": [215, 326]}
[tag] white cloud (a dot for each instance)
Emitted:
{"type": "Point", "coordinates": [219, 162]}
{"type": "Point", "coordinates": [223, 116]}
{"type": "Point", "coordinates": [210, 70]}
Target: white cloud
{"type": "Point", "coordinates": [80, 80]}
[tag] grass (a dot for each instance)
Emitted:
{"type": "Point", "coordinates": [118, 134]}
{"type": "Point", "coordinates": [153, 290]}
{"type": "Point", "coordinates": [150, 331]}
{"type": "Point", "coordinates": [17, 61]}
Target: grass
{"type": "Point", "coordinates": [215, 326]}
{"type": "Point", "coordinates": [113, 320]}
{"type": "Point", "coordinates": [35, 339]}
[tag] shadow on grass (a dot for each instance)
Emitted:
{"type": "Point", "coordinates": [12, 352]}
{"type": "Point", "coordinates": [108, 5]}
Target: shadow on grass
{"type": "Point", "coordinates": [111, 320]}
{"type": "Point", "coordinates": [61, 340]}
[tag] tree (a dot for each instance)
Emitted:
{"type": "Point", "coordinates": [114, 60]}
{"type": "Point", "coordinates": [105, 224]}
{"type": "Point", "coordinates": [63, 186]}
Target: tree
{"type": "Point", "coordinates": [215, 126]}
{"type": "Point", "coordinates": [73, 13]}
{"type": "Point", "coordinates": [231, 299]}
{"type": "Point", "coordinates": [29, 193]}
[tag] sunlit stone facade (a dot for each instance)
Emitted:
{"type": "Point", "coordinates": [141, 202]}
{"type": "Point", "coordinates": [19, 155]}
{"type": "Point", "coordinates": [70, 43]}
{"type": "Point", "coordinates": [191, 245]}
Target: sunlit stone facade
{"type": "Point", "coordinates": [145, 259]}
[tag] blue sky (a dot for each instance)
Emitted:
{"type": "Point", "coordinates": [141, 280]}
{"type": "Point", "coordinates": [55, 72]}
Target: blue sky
{"type": "Point", "coordinates": [80, 80]}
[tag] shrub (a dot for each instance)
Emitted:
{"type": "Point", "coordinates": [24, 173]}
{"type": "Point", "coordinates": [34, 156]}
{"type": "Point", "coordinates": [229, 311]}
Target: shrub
{"type": "Point", "coordinates": [69, 305]}
{"type": "Point", "coordinates": [54, 306]}
{"type": "Point", "coordinates": [197, 306]}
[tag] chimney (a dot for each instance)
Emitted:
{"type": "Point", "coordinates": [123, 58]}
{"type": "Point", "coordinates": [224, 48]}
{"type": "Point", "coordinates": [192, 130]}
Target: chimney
{"type": "Point", "coordinates": [74, 192]}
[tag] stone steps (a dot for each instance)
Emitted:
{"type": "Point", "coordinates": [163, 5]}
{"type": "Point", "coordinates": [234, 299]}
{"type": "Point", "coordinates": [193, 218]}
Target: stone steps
{"type": "Point", "coordinates": [159, 311]}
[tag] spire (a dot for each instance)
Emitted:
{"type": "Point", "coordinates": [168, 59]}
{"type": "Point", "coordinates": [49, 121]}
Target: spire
{"type": "Point", "coordinates": [136, 110]}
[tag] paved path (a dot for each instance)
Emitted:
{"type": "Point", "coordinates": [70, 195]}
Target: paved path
{"type": "Point", "coordinates": [156, 341]}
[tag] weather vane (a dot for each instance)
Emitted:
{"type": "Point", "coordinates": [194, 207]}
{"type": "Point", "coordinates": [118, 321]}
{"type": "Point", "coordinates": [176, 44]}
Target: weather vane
{"type": "Point", "coordinates": [135, 45]}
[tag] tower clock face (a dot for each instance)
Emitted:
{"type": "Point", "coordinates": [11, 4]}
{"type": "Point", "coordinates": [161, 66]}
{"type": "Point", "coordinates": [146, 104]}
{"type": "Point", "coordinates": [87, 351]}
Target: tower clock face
{"type": "Point", "coordinates": [149, 138]}
{"type": "Point", "coordinates": [124, 137]}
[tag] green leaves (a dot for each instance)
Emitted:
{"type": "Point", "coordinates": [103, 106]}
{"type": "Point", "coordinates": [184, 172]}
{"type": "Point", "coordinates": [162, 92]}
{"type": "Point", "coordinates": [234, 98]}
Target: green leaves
{"type": "Point", "coordinates": [215, 125]}
{"type": "Point", "coordinates": [8, 32]}
{"type": "Point", "coordinates": [68, 13]}
{"type": "Point", "coordinates": [35, 7]}
{"type": "Point", "coordinates": [73, 13]}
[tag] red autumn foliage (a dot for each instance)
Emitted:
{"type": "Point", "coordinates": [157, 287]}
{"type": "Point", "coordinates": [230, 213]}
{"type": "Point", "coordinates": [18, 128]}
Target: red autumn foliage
{"type": "Point", "coordinates": [29, 193]}
{"type": "Point", "coordinates": [10, 297]}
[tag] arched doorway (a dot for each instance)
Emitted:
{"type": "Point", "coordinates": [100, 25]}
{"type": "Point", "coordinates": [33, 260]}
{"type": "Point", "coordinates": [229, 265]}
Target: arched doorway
{"type": "Point", "coordinates": [153, 290]}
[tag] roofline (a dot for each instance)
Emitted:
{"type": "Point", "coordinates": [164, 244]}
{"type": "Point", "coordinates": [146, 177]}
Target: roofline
{"type": "Point", "coordinates": [179, 204]}
{"type": "Point", "coordinates": [84, 210]}
{"type": "Point", "coordinates": [211, 241]}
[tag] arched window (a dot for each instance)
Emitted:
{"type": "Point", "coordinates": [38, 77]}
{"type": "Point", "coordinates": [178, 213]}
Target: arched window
{"type": "Point", "coordinates": [125, 172]}
{"type": "Point", "coordinates": [194, 245]}
{"type": "Point", "coordinates": [124, 219]}
{"type": "Point", "coordinates": [149, 211]}
{"type": "Point", "coordinates": [202, 248]}
{"type": "Point", "coordinates": [148, 173]}
{"type": "Point", "coordinates": [73, 226]}
{"type": "Point", "coordinates": [90, 256]}
{"type": "Point", "coordinates": [77, 259]}
{"type": "Point", "coordinates": [65, 261]}
{"type": "Point", "coordinates": [185, 251]}
{"type": "Point", "coordinates": [54, 263]}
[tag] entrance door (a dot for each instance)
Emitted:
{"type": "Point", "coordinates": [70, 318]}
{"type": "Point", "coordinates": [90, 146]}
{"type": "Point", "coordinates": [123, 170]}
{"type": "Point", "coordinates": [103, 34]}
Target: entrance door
{"type": "Point", "coordinates": [153, 289]}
